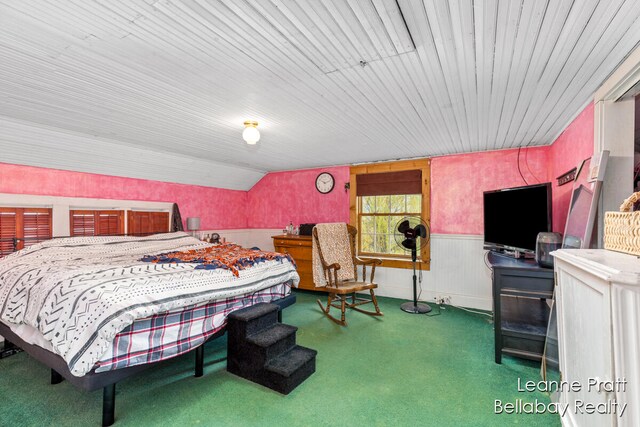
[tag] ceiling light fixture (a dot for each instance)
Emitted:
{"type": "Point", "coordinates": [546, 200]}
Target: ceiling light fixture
{"type": "Point", "coordinates": [250, 133]}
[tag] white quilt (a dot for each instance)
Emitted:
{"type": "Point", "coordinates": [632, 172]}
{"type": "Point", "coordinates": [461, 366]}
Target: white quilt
{"type": "Point", "coordinates": [80, 292]}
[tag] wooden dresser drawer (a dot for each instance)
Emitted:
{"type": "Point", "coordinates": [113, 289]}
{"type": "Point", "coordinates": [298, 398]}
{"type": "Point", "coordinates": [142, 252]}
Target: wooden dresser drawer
{"type": "Point", "coordinates": [298, 253]}
{"type": "Point", "coordinates": [299, 247]}
{"type": "Point", "coordinates": [292, 243]}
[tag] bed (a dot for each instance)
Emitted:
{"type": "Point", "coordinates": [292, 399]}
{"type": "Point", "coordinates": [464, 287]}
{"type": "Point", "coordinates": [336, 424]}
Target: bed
{"type": "Point", "coordinates": [99, 309]}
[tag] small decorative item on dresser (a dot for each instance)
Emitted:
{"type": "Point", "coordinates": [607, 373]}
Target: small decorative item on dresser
{"type": "Point", "coordinates": [306, 229]}
{"type": "Point", "coordinates": [622, 229]}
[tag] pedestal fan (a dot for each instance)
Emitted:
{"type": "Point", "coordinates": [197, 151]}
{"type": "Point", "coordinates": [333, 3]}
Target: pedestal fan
{"type": "Point", "coordinates": [412, 234]}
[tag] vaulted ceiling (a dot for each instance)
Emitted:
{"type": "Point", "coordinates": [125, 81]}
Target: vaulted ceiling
{"type": "Point", "coordinates": [159, 89]}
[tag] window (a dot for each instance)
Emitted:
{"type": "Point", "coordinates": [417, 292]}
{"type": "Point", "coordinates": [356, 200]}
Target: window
{"type": "Point", "coordinates": [20, 227]}
{"type": "Point", "coordinates": [378, 219]}
{"type": "Point", "coordinates": [143, 223]}
{"type": "Point", "coordinates": [381, 195]}
{"type": "Point", "coordinates": [96, 223]}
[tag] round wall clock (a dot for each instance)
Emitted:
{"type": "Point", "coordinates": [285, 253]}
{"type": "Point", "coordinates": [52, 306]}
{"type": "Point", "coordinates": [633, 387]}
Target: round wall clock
{"type": "Point", "coordinates": [325, 182]}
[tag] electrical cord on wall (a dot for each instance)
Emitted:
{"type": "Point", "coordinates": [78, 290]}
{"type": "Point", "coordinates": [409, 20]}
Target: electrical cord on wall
{"type": "Point", "coordinates": [525, 181]}
{"type": "Point", "coordinates": [490, 315]}
{"type": "Point", "coordinates": [526, 163]}
{"type": "Point", "coordinates": [486, 260]}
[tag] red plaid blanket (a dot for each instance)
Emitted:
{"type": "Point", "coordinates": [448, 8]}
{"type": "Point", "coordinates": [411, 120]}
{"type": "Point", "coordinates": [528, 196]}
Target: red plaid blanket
{"type": "Point", "coordinates": [175, 332]}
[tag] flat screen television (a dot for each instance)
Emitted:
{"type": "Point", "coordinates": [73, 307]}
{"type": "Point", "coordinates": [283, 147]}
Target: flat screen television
{"type": "Point", "coordinates": [513, 217]}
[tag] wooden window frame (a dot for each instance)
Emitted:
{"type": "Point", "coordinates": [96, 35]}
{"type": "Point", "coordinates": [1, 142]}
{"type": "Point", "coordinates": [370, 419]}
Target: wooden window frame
{"type": "Point", "coordinates": [396, 261]}
{"type": "Point", "coordinates": [20, 234]}
{"type": "Point", "coordinates": [96, 221]}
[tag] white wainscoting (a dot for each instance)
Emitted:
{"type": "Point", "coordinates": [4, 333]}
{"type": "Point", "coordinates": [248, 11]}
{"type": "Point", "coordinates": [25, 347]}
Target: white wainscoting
{"type": "Point", "coordinates": [248, 237]}
{"type": "Point", "coordinates": [457, 270]}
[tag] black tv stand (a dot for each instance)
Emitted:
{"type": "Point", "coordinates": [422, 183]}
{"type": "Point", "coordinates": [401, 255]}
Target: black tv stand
{"type": "Point", "coordinates": [521, 313]}
{"type": "Point", "coordinates": [515, 254]}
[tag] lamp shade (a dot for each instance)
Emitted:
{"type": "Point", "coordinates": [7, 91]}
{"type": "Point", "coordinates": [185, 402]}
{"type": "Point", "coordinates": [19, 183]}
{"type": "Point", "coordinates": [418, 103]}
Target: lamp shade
{"type": "Point", "coordinates": [250, 133]}
{"type": "Point", "coordinates": [193, 223]}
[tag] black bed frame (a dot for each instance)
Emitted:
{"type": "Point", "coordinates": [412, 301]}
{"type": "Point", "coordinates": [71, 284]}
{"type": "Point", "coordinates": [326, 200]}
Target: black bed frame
{"type": "Point", "coordinates": [107, 380]}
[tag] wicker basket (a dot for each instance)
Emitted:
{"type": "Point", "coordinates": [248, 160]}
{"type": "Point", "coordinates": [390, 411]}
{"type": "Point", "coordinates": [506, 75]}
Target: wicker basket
{"type": "Point", "coordinates": [622, 229]}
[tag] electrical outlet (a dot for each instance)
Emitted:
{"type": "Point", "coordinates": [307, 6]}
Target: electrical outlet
{"type": "Point", "coordinates": [440, 300]}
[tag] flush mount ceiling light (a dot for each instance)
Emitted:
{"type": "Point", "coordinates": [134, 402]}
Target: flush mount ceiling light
{"type": "Point", "coordinates": [250, 133]}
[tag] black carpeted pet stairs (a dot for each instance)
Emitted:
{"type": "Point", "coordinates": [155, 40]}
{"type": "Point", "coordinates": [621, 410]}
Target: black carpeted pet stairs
{"type": "Point", "coordinates": [264, 351]}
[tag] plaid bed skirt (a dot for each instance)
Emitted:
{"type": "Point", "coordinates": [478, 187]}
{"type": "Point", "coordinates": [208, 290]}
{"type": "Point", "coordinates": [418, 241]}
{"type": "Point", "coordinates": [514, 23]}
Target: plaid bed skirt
{"type": "Point", "coordinates": [175, 332]}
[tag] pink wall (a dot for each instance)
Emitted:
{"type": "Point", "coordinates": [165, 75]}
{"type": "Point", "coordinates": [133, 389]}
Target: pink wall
{"type": "Point", "coordinates": [280, 197]}
{"type": "Point", "coordinates": [217, 208]}
{"type": "Point", "coordinates": [275, 200]}
{"type": "Point", "coordinates": [457, 184]}
{"type": "Point", "coordinates": [568, 150]}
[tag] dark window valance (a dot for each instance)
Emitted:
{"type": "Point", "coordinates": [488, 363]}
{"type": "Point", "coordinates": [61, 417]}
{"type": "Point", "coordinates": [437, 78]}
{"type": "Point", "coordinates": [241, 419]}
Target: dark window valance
{"type": "Point", "coordinates": [389, 183]}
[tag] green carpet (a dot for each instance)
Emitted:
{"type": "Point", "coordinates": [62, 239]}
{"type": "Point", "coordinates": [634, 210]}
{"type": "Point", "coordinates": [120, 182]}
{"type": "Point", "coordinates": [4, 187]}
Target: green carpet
{"type": "Point", "coordinates": [397, 370]}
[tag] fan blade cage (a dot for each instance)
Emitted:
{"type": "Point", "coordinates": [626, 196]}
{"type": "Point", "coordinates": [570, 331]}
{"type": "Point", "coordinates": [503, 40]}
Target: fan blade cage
{"type": "Point", "coordinates": [411, 233]}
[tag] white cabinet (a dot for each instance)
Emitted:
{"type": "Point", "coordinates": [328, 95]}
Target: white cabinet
{"type": "Point", "coordinates": [598, 304]}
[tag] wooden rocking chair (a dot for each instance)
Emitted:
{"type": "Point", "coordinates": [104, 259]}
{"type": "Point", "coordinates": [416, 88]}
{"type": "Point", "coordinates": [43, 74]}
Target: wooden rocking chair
{"type": "Point", "coordinates": [340, 289]}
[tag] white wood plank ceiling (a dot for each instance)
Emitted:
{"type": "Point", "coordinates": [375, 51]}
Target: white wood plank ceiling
{"type": "Point", "coordinates": [160, 89]}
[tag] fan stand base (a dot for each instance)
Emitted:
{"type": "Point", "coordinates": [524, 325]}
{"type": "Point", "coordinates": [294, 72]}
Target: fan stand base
{"type": "Point", "coordinates": [414, 308]}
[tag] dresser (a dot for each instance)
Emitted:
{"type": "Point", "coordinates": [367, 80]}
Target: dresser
{"type": "Point", "coordinates": [520, 310]}
{"type": "Point", "coordinates": [299, 247]}
{"type": "Point", "coordinates": [598, 303]}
